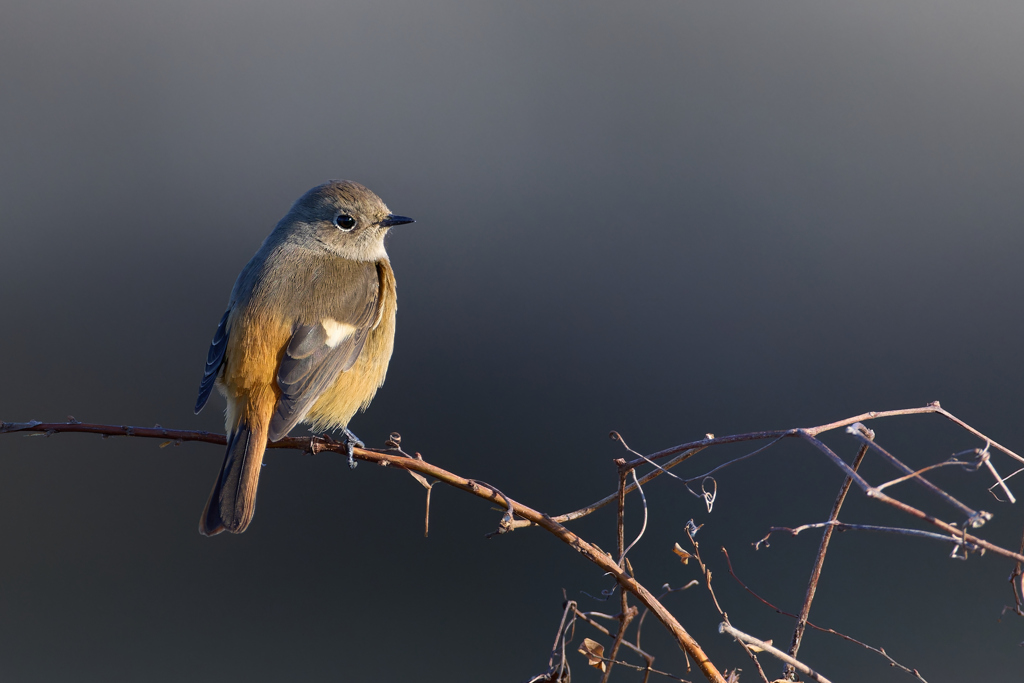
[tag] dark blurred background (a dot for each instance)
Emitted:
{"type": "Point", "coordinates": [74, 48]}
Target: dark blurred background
{"type": "Point", "coordinates": [663, 217]}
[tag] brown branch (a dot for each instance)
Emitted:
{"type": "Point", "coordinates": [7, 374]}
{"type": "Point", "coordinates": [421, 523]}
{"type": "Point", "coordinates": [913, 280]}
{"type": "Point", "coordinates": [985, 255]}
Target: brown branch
{"type": "Point", "coordinates": [404, 462]}
{"type": "Point", "coordinates": [819, 561]}
{"type": "Point", "coordinates": [157, 432]}
{"type": "Point", "coordinates": [626, 612]}
{"type": "Point", "coordinates": [668, 589]}
{"type": "Point", "coordinates": [625, 618]}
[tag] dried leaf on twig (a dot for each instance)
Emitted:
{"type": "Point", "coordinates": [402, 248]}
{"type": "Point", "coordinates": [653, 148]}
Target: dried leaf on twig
{"type": "Point", "coordinates": [684, 556]}
{"type": "Point", "coordinates": [594, 652]}
{"type": "Point", "coordinates": [755, 648]}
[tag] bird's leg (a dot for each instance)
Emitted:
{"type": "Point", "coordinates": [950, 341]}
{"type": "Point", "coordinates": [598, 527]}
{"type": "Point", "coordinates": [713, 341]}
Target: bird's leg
{"type": "Point", "coordinates": [351, 441]}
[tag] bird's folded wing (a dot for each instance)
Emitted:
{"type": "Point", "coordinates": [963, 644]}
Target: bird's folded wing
{"type": "Point", "coordinates": [321, 350]}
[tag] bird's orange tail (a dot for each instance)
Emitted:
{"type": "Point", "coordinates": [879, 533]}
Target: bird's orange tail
{"type": "Point", "coordinates": [233, 499]}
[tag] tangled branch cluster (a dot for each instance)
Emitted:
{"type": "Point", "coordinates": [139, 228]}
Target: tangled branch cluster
{"type": "Point", "coordinates": [957, 533]}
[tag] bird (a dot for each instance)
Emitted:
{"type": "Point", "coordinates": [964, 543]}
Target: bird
{"type": "Point", "coordinates": [307, 337]}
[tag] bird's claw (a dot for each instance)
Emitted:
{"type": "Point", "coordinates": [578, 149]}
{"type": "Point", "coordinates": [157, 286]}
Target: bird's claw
{"type": "Point", "coordinates": [351, 441]}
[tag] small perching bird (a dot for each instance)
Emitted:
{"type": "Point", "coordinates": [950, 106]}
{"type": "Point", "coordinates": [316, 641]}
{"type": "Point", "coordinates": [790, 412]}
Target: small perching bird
{"type": "Point", "coordinates": [307, 336]}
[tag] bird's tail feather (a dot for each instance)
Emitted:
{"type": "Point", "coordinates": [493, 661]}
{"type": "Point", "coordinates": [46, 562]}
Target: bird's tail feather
{"type": "Point", "coordinates": [233, 499]}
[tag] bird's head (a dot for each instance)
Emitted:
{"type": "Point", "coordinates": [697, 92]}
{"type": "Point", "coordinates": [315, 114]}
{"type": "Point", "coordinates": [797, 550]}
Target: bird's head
{"type": "Point", "coordinates": [342, 217]}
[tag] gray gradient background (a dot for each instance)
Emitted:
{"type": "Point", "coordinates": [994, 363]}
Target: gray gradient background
{"type": "Point", "coordinates": [666, 218]}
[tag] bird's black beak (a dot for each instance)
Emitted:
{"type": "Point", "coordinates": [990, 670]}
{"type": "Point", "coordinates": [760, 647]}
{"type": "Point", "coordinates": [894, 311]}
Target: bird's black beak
{"type": "Point", "coordinates": [393, 220]}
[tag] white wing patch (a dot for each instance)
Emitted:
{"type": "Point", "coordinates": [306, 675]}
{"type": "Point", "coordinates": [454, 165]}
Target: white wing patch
{"type": "Point", "coordinates": [336, 332]}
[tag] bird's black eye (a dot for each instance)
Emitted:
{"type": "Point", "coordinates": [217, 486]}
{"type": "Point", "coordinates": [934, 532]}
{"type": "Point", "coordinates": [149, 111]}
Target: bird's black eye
{"type": "Point", "coordinates": [345, 222]}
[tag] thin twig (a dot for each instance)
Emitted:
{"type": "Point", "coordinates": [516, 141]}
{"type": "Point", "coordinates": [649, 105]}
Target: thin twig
{"type": "Point", "coordinates": [986, 460]}
{"type": "Point", "coordinates": [857, 433]}
{"type": "Point", "coordinates": [748, 640]}
{"type": "Point", "coordinates": [872, 492]}
{"type": "Point", "coordinates": [691, 531]}
{"type": "Point", "coordinates": [707, 475]}
{"type": "Point", "coordinates": [819, 560]}
{"type": "Point", "coordinates": [956, 540]}
{"type": "Point", "coordinates": [594, 507]}
{"type": "Point", "coordinates": [915, 474]}
{"type": "Point", "coordinates": [625, 618]}
{"type": "Point", "coordinates": [620, 527]}
{"type": "Point", "coordinates": [878, 650]}
{"type": "Point", "coordinates": [588, 617]}
{"type": "Point", "coordinates": [643, 527]}
{"type": "Point", "coordinates": [560, 672]}
{"type": "Point", "coordinates": [623, 490]}
{"type": "Point", "coordinates": [1017, 582]}
{"type": "Point", "coordinates": [394, 443]}
{"type": "Point", "coordinates": [630, 665]}
{"type": "Point", "coordinates": [626, 613]}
